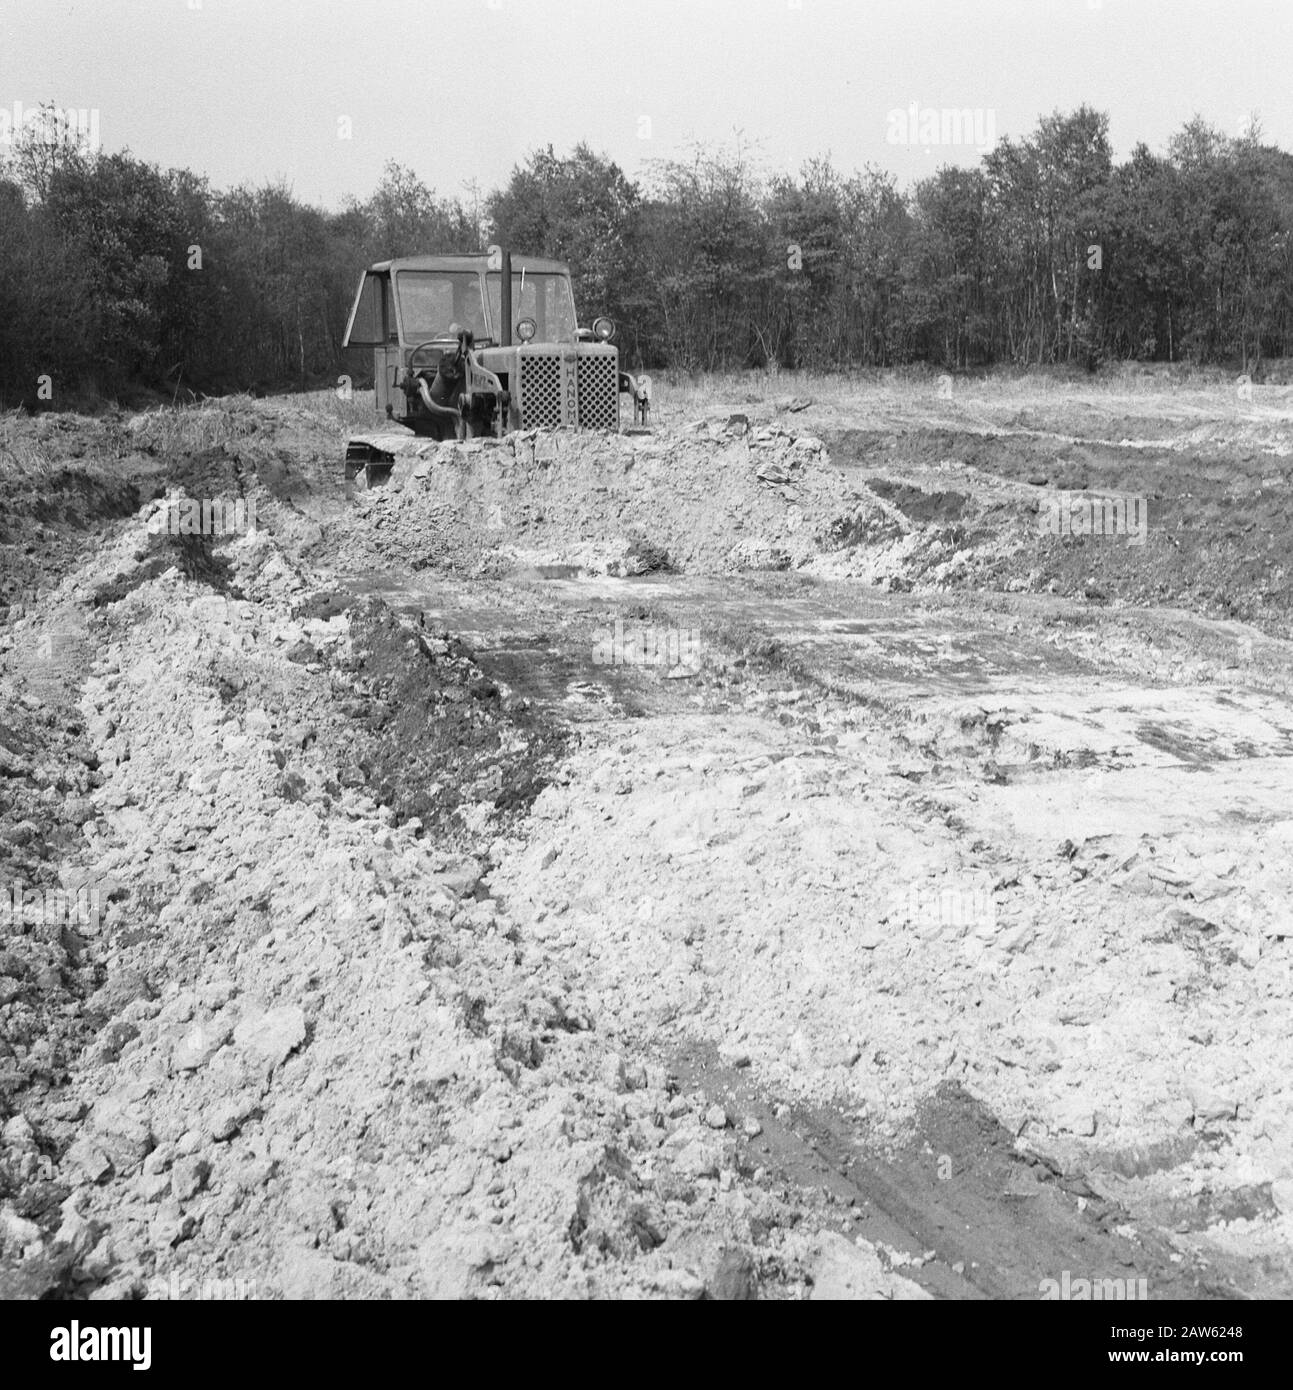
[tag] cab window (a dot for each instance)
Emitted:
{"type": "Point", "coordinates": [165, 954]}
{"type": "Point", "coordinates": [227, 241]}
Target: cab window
{"type": "Point", "coordinates": [541, 296]}
{"type": "Point", "coordinates": [431, 300]}
{"type": "Point", "coordinates": [366, 324]}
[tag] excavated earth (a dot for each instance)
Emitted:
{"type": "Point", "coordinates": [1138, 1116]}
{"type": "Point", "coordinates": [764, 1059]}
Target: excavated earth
{"type": "Point", "coordinates": [751, 860]}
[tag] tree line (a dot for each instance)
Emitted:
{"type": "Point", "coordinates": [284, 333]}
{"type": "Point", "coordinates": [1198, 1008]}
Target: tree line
{"type": "Point", "coordinates": [115, 273]}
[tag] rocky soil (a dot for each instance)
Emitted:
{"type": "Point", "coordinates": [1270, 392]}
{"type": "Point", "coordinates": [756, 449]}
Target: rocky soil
{"type": "Point", "coordinates": [428, 955]}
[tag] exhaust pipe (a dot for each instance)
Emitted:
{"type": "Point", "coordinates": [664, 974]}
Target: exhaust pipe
{"type": "Point", "coordinates": [505, 298]}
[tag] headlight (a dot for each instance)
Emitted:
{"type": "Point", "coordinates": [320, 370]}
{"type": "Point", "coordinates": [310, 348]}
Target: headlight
{"type": "Point", "coordinates": [604, 328]}
{"type": "Point", "coordinates": [526, 329]}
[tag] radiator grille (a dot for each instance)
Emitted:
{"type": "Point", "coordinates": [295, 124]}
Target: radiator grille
{"type": "Point", "coordinates": [569, 388]}
{"type": "Point", "coordinates": [541, 395]}
{"type": "Point", "coordinates": [599, 392]}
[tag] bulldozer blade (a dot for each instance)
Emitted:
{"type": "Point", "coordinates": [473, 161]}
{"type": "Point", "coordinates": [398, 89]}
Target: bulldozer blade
{"type": "Point", "coordinates": [370, 458]}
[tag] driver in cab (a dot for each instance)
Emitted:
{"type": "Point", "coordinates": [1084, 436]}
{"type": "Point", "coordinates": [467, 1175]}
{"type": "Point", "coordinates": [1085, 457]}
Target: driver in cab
{"type": "Point", "coordinates": [452, 371]}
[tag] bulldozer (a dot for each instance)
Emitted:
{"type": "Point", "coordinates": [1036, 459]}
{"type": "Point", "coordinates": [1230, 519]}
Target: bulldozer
{"type": "Point", "coordinates": [476, 345]}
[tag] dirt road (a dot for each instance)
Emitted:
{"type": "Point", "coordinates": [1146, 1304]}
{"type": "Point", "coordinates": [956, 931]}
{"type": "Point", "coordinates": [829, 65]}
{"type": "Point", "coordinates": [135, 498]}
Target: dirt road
{"type": "Point", "coordinates": [760, 860]}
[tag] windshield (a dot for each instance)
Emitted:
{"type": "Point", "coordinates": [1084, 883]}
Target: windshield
{"type": "Point", "coordinates": [430, 300]}
{"type": "Point", "coordinates": [543, 297]}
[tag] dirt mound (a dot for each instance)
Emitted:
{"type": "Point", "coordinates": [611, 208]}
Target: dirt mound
{"type": "Point", "coordinates": [708, 500]}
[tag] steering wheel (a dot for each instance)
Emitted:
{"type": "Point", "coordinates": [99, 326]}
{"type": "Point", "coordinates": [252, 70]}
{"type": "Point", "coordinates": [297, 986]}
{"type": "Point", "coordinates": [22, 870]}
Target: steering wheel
{"type": "Point", "coordinates": [429, 343]}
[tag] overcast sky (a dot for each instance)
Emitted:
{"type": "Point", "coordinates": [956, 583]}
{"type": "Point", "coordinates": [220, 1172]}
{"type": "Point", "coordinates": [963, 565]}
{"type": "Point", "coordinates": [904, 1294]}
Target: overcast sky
{"type": "Point", "coordinates": [252, 90]}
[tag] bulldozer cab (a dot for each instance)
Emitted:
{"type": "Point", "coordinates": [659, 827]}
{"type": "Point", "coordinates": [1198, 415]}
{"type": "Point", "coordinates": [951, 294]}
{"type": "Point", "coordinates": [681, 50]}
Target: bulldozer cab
{"type": "Point", "coordinates": [407, 305]}
{"type": "Point", "coordinates": [403, 306]}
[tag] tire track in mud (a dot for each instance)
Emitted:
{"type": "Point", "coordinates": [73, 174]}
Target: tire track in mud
{"type": "Point", "coordinates": [956, 1206]}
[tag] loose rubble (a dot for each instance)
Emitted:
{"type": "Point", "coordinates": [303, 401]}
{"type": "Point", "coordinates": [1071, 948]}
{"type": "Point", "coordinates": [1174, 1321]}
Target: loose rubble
{"type": "Point", "coordinates": [349, 962]}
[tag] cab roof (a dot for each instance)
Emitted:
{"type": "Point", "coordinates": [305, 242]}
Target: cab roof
{"type": "Point", "coordinates": [479, 260]}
